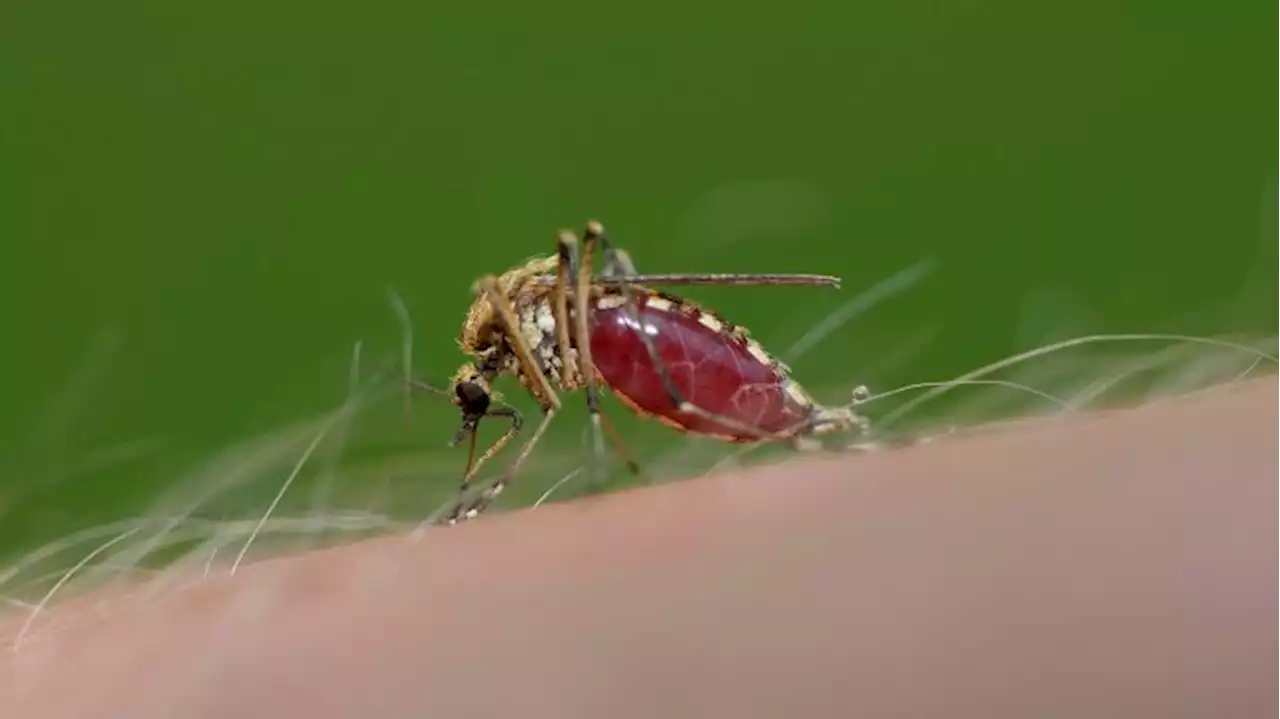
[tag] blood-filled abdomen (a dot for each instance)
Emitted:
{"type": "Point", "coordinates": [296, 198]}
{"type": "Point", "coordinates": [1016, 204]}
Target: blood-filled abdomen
{"type": "Point", "coordinates": [712, 369]}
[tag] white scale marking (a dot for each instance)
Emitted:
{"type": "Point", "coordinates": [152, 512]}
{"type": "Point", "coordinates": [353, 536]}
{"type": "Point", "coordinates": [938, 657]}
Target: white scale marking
{"type": "Point", "coordinates": [660, 304]}
{"type": "Point", "coordinates": [710, 322]}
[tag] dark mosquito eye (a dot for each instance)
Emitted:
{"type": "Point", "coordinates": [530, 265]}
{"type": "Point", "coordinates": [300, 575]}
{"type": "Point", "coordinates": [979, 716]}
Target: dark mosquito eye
{"type": "Point", "coordinates": [472, 397]}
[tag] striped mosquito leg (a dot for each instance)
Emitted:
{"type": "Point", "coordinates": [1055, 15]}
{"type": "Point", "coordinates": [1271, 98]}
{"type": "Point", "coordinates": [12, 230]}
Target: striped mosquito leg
{"type": "Point", "coordinates": [470, 508]}
{"type": "Point", "coordinates": [571, 374]}
{"type": "Point", "coordinates": [581, 293]}
{"type": "Point", "coordinates": [580, 267]}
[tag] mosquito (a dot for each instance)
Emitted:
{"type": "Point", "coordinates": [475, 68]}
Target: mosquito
{"type": "Point", "coordinates": [558, 328]}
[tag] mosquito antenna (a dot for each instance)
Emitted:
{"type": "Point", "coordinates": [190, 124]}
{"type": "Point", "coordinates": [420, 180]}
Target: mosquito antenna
{"type": "Point", "coordinates": [424, 386]}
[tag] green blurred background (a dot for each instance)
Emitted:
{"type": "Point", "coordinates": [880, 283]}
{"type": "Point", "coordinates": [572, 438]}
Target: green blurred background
{"type": "Point", "coordinates": [202, 206]}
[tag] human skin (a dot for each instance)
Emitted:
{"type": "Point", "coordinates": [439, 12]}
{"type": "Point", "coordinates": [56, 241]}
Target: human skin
{"type": "Point", "coordinates": [1108, 565]}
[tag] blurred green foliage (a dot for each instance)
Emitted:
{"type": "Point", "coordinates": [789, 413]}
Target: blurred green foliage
{"type": "Point", "coordinates": [202, 205]}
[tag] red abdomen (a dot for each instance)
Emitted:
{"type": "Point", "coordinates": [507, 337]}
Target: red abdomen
{"type": "Point", "coordinates": [713, 370]}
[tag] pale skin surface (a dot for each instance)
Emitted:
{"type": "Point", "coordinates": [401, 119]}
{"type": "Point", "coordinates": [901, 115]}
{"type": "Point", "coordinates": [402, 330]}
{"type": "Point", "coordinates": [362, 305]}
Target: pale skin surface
{"type": "Point", "coordinates": [1118, 565]}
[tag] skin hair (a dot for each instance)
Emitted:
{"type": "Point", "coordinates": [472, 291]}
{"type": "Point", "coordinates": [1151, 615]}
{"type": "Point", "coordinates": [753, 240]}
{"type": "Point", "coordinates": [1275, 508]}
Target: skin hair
{"type": "Point", "coordinates": [1117, 564]}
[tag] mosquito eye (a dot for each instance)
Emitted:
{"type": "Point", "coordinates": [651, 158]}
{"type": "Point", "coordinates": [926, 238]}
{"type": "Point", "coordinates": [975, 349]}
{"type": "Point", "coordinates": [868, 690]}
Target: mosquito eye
{"type": "Point", "coordinates": [473, 398]}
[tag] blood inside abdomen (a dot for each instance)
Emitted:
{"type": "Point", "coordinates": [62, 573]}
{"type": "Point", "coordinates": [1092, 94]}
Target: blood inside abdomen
{"type": "Point", "coordinates": [711, 369]}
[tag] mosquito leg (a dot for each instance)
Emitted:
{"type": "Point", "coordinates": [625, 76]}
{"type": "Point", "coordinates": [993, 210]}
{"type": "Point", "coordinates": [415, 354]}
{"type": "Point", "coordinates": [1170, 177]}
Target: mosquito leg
{"type": "Point", "coordinates": [516, 422]}
{"type": "Point", "coordinates": [566, 269]}
{"type": "Point", "coordinates": [469, 509]}
{"type": "Point", "coordinates": [582, 279]}
{"type": "Point", "coordinates": [619, 446]}
{"type": "Point", "coordinates": [582, 337]}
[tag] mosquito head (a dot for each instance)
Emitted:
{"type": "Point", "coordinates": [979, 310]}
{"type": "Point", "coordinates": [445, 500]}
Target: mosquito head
{"type": "Point", "coordinates": [472, 395]}
{"type": "Point", "coordinates": [474, 401]}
